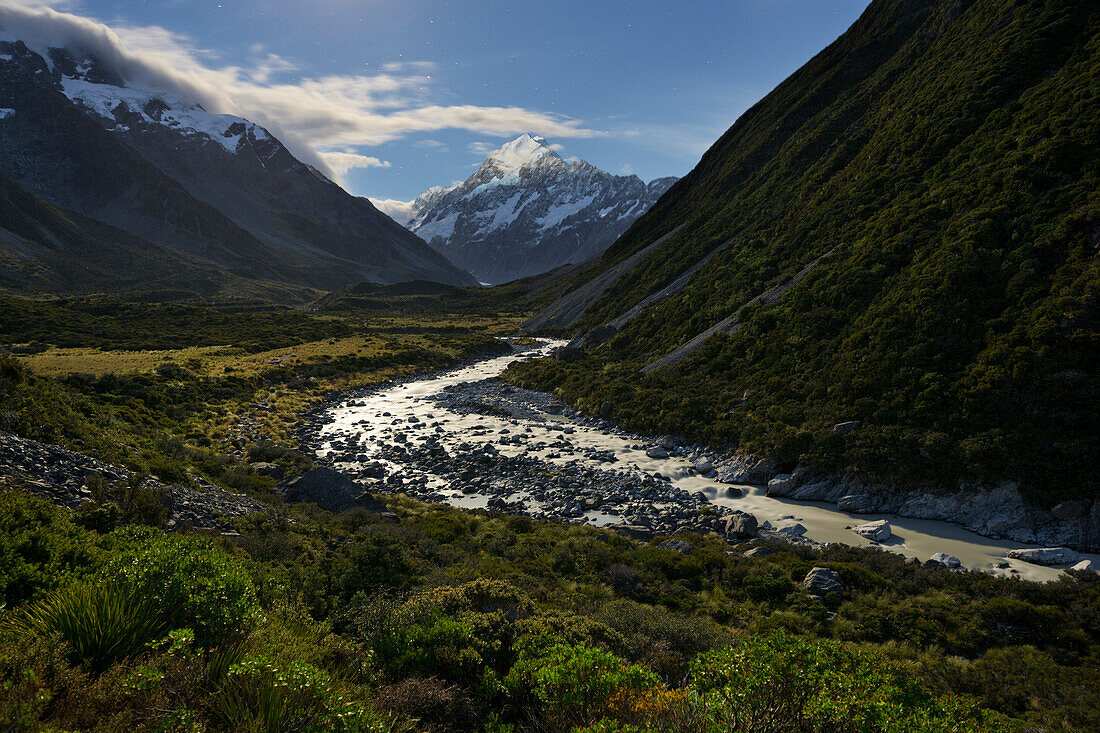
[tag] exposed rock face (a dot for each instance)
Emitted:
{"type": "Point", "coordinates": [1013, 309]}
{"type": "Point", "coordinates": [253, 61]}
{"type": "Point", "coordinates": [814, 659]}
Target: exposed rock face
{"type": "Point", "coordinates": [823, 582]}
{"type": "Point", "coordinates": [330, 490]}
{"type": "Point", "coordinates": [526, 211]}
{"type": "Point", "coordinates": [878, 531]}
{"type": "Point", "coordinates": [1046, 555]}
{"type": "Point", "coordinates": [999, 512]}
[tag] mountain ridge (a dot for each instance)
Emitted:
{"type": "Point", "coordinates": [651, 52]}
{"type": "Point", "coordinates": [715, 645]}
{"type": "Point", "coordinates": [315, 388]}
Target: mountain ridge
{"type": "Point", "coordinates": [946, 156]}
{"type": "Point", "coordinates": [216, 187]}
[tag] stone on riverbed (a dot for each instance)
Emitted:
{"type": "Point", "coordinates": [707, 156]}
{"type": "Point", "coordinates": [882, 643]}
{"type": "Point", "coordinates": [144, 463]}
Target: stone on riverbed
{"type": "Point", "coordinates": [703, 466]}
{"type": "Point", "coordinates": [657, 452]}
{"type": "Point", "coordinates": [781, 485]}
{"type": "Point", "coordinates": [1046, 555]}
{"type": "Point", "coordinates": [741, 526]}
{"type": "Point", "coordinates": [876, 531]}
{"type": "Point", "coordinates": [949, 561]}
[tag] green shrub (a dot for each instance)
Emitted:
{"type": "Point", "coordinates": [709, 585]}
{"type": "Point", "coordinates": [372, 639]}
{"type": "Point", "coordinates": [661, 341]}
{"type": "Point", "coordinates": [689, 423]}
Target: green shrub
{"type": "Point", "coordinates": [575, 685]}
{"type": "Point", "coordinates": [39, 547]}
{"type": "Point", "coordinates": [202, 587]}
{"type": "Point", "coordinates": [783, 683]}
{"type": "Point", "coordinates": [101, 622]}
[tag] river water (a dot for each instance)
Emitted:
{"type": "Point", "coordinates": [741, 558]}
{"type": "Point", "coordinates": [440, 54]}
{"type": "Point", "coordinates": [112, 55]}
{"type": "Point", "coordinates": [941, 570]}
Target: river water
{"type": "Point", "coordinates": [376, 419]}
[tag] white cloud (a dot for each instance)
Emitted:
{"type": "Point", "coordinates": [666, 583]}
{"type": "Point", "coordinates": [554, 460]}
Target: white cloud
{"type": "Point", "coordinates": [481, 148]}
{"type": "Point", "coordinates": [399, 211]}
{"type": "Point", "coordinates": [310, 114]}
{"type": "Point", "coordinates": [341, 162]}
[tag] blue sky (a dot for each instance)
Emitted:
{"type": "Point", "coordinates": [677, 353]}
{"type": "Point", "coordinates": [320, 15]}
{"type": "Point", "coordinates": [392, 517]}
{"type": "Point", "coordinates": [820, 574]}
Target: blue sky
{"type": "Point", "coordinates": [398, 96]}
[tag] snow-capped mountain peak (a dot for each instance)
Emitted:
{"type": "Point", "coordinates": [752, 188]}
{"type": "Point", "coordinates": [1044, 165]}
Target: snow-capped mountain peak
{"type": "Point", "coordinates": [526, 210]}
{"type": "Point", "coordinates": [525, 150]}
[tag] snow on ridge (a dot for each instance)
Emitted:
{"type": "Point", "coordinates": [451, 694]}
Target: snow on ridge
{"type": "Point", "coordinates": [560, 213]}
{"type": "Point", "coordinates": [179, 115]}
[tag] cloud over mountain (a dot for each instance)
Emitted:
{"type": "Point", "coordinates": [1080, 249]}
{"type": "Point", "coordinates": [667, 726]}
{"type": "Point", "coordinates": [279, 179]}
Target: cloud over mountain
{"type": "Point", "coordinates": [325, 120]}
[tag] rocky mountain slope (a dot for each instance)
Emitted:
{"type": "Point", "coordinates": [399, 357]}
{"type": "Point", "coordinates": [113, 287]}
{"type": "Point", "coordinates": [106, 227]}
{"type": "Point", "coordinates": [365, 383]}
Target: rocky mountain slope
{"type": "Point", "coordinates": [887, 267]}
{"type": "Point", "coordinates": [217, 188]}
{"type": "Point", "coordinates": [526, 211]}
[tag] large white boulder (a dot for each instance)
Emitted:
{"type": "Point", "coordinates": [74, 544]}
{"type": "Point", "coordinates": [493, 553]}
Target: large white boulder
{"type": "Point", "coordinates": [878, 531]}
{"type": "Point", "coordinates": [1046, 555]}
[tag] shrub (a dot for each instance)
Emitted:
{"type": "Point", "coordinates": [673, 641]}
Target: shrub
{"type": "Point", "coordinates": [39, 547]}
{"type": "Point", "coordinates": [575, 685]}
{"type": "Point", "coordinates": [202, 588]}
{"type": "Point", "coordinates": [783, 683]}
{"type": "Point", "coordinates": [101, 622]}
{"type": "Point", "coordinates": [441, 705]}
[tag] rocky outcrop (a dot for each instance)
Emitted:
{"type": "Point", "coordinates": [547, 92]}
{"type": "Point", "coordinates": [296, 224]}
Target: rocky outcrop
{"type": "Point", "coordinates": [331, 490]}
{"type": "Point", "coordinates": [999, 512]}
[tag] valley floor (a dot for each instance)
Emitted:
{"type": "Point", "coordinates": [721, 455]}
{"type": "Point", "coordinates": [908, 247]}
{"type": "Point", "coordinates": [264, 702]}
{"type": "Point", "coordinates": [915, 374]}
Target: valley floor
{"type": "Point", "coordinates": [157, 573]}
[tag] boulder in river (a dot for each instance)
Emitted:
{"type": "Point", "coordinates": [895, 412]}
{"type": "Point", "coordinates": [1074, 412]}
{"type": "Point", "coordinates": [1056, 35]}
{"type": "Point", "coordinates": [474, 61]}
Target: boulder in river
{"type": "Point", "coordinates": [657, 452]}
{"type": "Point", "coordinates": [1046, 555]}
{"type": "Point", "coordinates": [948, 561]}
{"type": "Point", "coordinates": [741, 526]}
{"type": "Point", "coordinates": [703, 466]}
{"type": "Point", "coordinates": [823, 582]}
{"type": "Point", "coordinates": [877, 531]}
{"type": "Point", "coordinates": [781, 485]}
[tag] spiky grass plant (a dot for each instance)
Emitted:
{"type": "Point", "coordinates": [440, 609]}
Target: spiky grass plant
{"type": "Point", "coordinates": [101, 622]}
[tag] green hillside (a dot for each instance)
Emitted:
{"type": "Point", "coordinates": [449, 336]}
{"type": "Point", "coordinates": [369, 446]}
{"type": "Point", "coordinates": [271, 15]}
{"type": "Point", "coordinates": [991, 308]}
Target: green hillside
{"type": "Point", "coordinates": [944, 156]}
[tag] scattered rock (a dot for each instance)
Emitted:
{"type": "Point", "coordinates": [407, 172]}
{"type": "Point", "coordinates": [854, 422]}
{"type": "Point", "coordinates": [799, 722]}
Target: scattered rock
{"type": "Point", "coordinates": [760, 552]}
{"type": "Point", "coordinates": [657, 452]}
{"type": "Point", "coordinates": [843, 428]}
{"type": "Point", "coordinates": [270, 470]}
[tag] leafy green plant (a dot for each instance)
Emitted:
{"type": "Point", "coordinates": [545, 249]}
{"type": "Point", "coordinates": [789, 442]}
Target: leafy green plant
{"type": "Point", "coordinates": [101, 622]}
{"type": "Point", "coordinates": [199, 586]}
{"type": "Point", "coordinates": [576, 684]}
